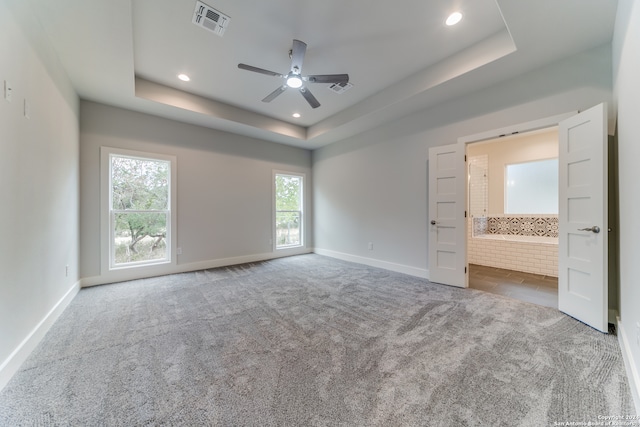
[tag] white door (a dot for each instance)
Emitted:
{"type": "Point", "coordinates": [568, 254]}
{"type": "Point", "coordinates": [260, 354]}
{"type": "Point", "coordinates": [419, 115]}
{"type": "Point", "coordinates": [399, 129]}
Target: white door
{"type": "Point", "coordinates": [582, 244]}
{"type": "Point", "coordinates": [447, 186]}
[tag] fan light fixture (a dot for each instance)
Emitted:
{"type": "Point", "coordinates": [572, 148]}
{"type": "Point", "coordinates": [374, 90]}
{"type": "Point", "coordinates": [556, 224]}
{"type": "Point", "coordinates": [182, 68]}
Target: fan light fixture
{"type": "Point", "coordinates": [454, 18]}
{"type": "Point", "coordinates": [294, 81]}
{"type": "Point", "coordinates": [294, 78]}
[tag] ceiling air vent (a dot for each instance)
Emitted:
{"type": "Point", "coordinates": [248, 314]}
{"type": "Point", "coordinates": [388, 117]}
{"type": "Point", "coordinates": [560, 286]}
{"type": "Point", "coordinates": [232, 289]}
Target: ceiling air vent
{"type": "Point", "coordinates": [210, 19]}
{"type": "Point", "coordinates": [340, 88]}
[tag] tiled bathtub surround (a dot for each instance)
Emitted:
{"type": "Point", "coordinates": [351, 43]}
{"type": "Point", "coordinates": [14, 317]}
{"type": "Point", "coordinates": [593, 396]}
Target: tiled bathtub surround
{"type": "Point", "coordinates": [519, 245]}
{"type": "Point", "coordinates": [542, 226]}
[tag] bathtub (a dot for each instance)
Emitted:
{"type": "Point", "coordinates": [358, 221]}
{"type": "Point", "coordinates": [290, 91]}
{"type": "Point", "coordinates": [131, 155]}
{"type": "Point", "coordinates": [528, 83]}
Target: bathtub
{"type": "Point", "coordinates": [516, 238]}
{"type": "Point", "coordinates": [529, 254]}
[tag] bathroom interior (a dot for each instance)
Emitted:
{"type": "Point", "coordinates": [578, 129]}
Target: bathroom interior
{"type": "Point", "coordinates": [512, 226]}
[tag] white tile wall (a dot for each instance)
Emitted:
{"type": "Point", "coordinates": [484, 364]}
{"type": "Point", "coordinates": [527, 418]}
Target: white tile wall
{"type": "Point", "coordinates": [478, 185]}
{"type": "Point", "coordinates": [537, 258]}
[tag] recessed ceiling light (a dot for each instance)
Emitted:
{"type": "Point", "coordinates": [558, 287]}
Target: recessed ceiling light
{"type": "Point", "coordinates": [184, 77]}
{"type": "Point", "coordinates": [454, 18]}
{"type": "Point", "coordinates": [296, 115]}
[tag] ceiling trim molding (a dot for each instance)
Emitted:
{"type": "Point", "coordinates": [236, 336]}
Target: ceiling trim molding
{"type": "Point", "coordinates": [482, 53]}
{"type": "Point", "coordinates": [166, 95]}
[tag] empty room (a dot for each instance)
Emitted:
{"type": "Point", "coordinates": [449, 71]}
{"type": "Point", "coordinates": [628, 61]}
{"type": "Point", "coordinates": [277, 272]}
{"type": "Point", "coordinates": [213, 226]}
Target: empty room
{"type": "Point", "coordinates": [299, 213]}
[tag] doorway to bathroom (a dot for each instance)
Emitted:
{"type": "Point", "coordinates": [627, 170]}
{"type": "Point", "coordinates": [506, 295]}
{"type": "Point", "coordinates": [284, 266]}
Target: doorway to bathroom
{"type": "Point", "coordinates": [584, 254]}
{"type": "Point", "coordinates": [512, 222]}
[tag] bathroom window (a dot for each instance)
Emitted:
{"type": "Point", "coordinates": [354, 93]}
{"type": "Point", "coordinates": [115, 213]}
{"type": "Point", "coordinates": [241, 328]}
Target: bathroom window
{"type": "Point", "coordinates": [532, 187]}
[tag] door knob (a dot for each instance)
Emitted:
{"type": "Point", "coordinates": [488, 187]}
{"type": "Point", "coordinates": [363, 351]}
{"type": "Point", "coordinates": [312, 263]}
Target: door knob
{"type": "Point", "coordinates": [433, 222]}
{"type": "Point", "coordinates": [594, 229]}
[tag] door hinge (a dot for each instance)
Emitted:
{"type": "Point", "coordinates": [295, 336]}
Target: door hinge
{"type": "Point", "coordinates": [465, 157]}
{"type": "Point", "coordinates": [465, 214]}
{"type": "Point", "coordinates": [465, 270]}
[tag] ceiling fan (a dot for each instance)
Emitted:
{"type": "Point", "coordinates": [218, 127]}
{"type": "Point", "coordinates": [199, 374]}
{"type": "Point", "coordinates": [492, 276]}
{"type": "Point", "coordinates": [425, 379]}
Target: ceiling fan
{"type": "Point", "coordinates": [294, 78]}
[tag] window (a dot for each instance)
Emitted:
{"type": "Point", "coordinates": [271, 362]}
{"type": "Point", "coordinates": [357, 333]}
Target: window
{"type": "Point", "coordinates": [139, 208]}
{"type": "Point", "coordinates": [532, 187]}
{"type": "Point", "coordinates": [289, 213]}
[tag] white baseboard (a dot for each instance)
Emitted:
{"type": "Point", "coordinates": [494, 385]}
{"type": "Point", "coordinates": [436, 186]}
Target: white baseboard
{"type": "Point", "coordinates": [399, 268]}
{"type": "Point", "coordinates": [133, 274]}
{"type": "Point", "coordinates": [12, 364]}
{"type": "Point", "coordinates": [630, 365]}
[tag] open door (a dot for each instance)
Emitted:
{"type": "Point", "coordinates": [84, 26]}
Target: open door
{"type": "Point", "coordinates": [582, 244]}
{"type": "Point", "coordinates": [447, 186]}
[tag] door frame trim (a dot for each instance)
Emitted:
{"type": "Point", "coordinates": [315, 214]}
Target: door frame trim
{"type": "Point", "coordinates": [517, 128]}
{"type": "Point", "coordinates": [523, 127]}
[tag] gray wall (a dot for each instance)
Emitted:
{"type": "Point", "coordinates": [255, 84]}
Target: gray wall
{"type": "Point", "coordinates": [626, 65]}
{"type": "Point", "coordinates": [373, 187]}
{"type": "Point", "coordinates": [224, 186]}
{"type": "Point", "coordinates": [38, 184]}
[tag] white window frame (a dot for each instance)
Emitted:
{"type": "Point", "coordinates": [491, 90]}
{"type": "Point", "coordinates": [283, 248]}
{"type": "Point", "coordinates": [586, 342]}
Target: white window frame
{"type": "Point", "coordinates": [506, 187]}
{"type": "Point", "coordinates": [289, 248]}
{"type": "Point", "coordinates": [108, 267]}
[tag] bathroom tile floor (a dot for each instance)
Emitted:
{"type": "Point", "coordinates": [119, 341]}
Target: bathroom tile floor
{"type": "Point", "coordinates": [533, 288]}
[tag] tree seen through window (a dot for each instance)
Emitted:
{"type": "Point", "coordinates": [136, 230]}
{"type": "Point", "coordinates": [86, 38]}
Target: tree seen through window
{"type": "Point", "coordinates": [288, 210]}
{"type": "Point", "coordinates": [139, 209]}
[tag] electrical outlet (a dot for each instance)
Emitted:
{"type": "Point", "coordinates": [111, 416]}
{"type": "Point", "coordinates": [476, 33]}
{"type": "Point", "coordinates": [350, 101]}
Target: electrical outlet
{"type": "Point", "coordinates": [179, 251]}
{"type": "Point", "coordinates": [7, 91]}
{"type": "Point", "coordinates": [370, 246]}
{"type": "Point", "coordinates": [66, 271]}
